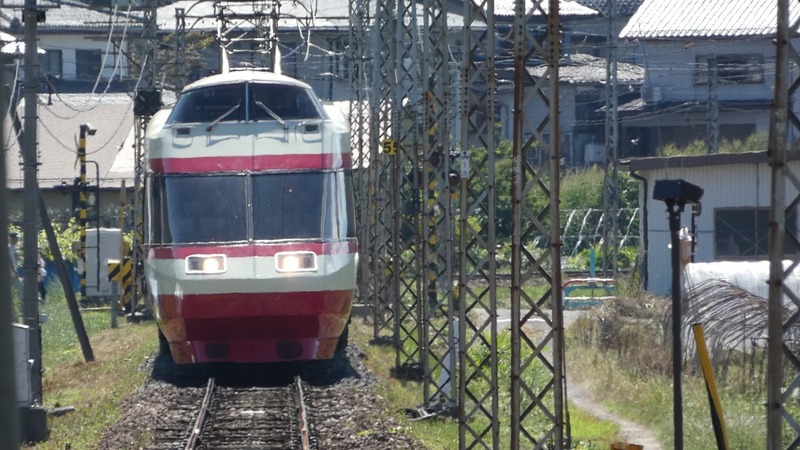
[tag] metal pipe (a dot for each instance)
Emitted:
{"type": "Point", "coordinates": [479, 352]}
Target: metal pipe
{"type": "Point", "coordinates": [96, 205]}
{"type": "Point", "coordinates": [675, 208]}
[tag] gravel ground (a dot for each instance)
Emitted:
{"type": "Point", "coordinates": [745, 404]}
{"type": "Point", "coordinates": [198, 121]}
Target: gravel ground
{"type": "Point", "coordinates": [346, 412]}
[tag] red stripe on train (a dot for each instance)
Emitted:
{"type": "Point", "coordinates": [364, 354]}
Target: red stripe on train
{"type": "Point", "coordinates": [256, 304]}
{"type": "Point", "coordinates": [254, 162]}
{"type": "Point", "coordinates": [250, 250]}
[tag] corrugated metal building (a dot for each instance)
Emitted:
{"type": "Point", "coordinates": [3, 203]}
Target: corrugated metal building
{"type": "Point", "coordinates": [734, 213]}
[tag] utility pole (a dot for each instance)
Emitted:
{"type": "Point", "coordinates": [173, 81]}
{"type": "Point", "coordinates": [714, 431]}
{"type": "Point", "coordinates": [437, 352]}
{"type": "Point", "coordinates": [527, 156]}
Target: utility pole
{"type": "Point", "coordinates": [35, 422]}
{"type": "Point", "coordinates": [611, 178]}
{"type": "Point", "coordinates": [9, 415]}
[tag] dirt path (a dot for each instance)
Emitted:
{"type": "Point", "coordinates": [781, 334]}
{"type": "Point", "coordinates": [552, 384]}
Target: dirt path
{"type": "Point", "coordinates": [579, 392]}
{"type": "Point", "coordinates": [579, 395]}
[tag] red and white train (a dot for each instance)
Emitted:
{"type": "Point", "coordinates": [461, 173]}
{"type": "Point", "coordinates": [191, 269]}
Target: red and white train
{"type": "Point", "coordinates": [250, 230]}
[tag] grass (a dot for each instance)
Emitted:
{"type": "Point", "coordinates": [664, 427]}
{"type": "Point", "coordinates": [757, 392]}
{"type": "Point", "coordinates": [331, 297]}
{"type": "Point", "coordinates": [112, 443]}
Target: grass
{"type": "Point", "coordinates": [587, 431]}
{"type": "Point", "coordinates": [629, 387]}
{"type": "Point", "coordinates": [637, 383]}
{"type": "Point", "coordinates": [95, 389]}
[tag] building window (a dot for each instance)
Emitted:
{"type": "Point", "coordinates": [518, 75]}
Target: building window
{"type": "Point", "coordinates": [52, 63]}
{"type": "Point", "coordinates": [743, 233]}
{"type": "Point", "coordinates": [339, 61]}
{"type": "Point", "coordinates": [87, 64]}
{"type": "Point", "coordinates": [731, 69]}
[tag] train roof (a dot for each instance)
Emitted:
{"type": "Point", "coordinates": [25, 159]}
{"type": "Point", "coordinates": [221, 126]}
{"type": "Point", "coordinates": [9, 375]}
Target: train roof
{"type": "Point", "coordinates": [238, 76]}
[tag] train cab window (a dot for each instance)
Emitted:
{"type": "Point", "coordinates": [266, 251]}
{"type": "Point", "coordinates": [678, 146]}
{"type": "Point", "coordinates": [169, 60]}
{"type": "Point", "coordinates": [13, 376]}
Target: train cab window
{"type": "Point", "coordinates": [222, 103]}
{"type": "Point", "coordinates": [286, 101]}
{"type": "Point", "coordinates": [202, 209]}
{"type": "Point", "coordinates": [288, 206]}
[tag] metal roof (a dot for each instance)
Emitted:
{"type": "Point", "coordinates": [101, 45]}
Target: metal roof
{"type": "Point", "coordinates": [622, 7]}
{"type": "Point", "coordinates": [668, 19]}
{"type": "Point", "coordinates": [71, 17]}
{"type": "Point", "coordinates": [565, 8]}
{"type": "Point", "coordinates": [581, 68]}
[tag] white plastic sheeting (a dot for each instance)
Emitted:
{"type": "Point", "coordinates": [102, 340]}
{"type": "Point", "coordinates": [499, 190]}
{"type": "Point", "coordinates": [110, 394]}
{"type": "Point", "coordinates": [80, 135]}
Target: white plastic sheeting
{"type": "Point", "coordinates": [751, 276]}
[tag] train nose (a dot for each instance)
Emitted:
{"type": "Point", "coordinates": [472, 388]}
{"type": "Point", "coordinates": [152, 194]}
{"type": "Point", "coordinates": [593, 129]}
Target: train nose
{"type": "Point", "coordinates": [217, 350]}
{"type": "Point", "coordinates": [289, 349]}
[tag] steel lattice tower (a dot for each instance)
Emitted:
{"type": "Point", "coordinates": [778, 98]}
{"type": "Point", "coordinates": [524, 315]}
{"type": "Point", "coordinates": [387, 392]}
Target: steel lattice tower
{"type": "Point", "coordinates": [479, 421]}
{"type": "Point", "coordinates": [179, 69]}
{"type": "Point", "coordinates": [531, 396]}
{"type": "Point", "coordinates": [359, 137]}
{"type": "Point", "coordinates": [380, 220]}
{"type": "Point", "coordinates": [439, 353]}
{"type": "Point", "coordinates": [406, 238]}
{"type": "Point", "coordinates": [147, 101]}
{"type": "Point", "coordinates": [783, 364]}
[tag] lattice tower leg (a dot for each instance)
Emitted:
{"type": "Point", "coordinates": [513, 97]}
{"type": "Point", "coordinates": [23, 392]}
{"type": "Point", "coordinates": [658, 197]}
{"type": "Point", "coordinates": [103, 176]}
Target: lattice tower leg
{"type": "Point", "coordinates": [439, 352]}
{"type": "Point", "coordinates": [179, 70]}
{"type": "Point", "coordinates": [407, 283]}
{"type": "Point", "coordinates": [137, 248]}
{"type": "Point", "coordinates": [783, 363]}
{"type": "Point", "coordinates": [478, 402]}
{"type": "Point", "coordinates": [143, 96]}
{"type": "Point", "coordinates": [359, 141]}
{"type": "Point", "coordinates": [534, 397]}
{"type": "Point", "coordinates": [380, 105]}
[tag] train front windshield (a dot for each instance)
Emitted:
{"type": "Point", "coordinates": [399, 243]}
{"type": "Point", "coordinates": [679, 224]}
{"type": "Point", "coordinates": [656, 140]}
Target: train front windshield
{"type": "Point", "coordinates": [233, 208]}
{"type": "Point", "coordinates": [246, 101]}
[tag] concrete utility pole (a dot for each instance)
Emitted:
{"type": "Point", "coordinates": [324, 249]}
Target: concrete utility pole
{"type": "Point", "coordinates": [9, 415]}
{"type": "Point", "coordinates": [611, 178]}
{"type": "Point", "coordinates": [35, 422]}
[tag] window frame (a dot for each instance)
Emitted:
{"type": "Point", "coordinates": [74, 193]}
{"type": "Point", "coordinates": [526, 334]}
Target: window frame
{"type": "Point", "coordinates": [760, 234]}
{"type": "Point", "coordinates": [334, 225]}
{"type": "Point", "coordinates": [732, 69]}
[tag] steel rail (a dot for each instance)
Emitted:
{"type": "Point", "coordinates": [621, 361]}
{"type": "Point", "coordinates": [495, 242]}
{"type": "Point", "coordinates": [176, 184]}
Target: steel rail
{"type": "Point", "coordinates": [301, 414]}
{"type": "Point", "coordinates": [197, 429]}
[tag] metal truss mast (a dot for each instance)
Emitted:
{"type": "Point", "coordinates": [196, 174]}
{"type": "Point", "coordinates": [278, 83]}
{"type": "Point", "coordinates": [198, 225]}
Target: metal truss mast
{"type": "Point", "coordinates": [783, 363]}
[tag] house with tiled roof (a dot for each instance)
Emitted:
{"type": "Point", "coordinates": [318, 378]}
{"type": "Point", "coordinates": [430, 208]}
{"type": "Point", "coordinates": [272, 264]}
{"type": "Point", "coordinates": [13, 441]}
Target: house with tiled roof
{"type": "Point", "coordinates": [582, 95]}
{"type": "Point", "coordinates": [83, 47]}
{"type": "Point", "coordinates": [709, 68]}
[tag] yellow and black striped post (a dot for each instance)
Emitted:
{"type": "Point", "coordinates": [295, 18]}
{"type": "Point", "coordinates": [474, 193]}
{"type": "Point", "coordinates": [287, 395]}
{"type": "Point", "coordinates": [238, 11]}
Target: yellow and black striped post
{"type": "Point", "coordinates": [82, 213]}
{"type": "Point", "coordinates": [122, 274]}
{"type": "Point", "coordinates": [717, 418]}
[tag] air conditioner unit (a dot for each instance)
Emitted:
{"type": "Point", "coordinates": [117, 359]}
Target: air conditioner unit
{"type": "Point", "coordinates": [594, 153]}
{"type": "Point", "coordinates": [652, 94]}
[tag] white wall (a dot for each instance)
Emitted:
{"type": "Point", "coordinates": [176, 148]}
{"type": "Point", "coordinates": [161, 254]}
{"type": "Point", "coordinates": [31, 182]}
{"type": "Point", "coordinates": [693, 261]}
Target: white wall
{"type": "Point", "coordinates": [68, 43]}
{"type": "Point", "coordinates": [739, 185]}
{"type": "Point", "coordinates": [671, 65]}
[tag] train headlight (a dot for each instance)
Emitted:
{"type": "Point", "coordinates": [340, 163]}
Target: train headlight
{"type": "Point", "coordinates": [295, 262]}
{"type": "Point", "coordinates": [206, 264]}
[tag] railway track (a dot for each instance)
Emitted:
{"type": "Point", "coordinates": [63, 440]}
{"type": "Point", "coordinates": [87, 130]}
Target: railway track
{"type": "Point", "coordinates": [242, 418]}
